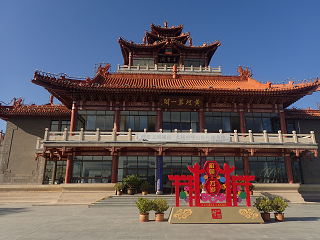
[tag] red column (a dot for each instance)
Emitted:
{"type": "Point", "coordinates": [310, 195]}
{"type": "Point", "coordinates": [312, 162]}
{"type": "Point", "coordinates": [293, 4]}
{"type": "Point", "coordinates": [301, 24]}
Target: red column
{"type": "Point", "coordinates": [159, 119]}
{"type": "Point", "coordinates": [289, 168]}
{"type": "Point", "coordinates": [181, 60]}
{"type": "Point", "coordinates": [206, 62]}
{"type": "Point", "coordinates": [201, 121]}
{"type": "Point", "coordinates": [72, 129]}
{"type": "Point", "coordinates": [117, 119]}
{"type": "Point", "coordinates": [246, 164]}
{"type": "Point", "coordinates": [242, 122]}
{"type": "Point", "coordinates": [282, 122]}
{"type": "Point", "coordinates": [73, 117]}
{"type": "Point", "coordinates": [114, 173]}
{"type": "Point", "coordinates": [68, 169]}
{"type": "Point", "coordinates": [130, 59]}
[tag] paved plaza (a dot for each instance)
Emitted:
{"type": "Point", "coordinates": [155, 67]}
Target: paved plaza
{"type": "Point", "coordinates": [26, 221]}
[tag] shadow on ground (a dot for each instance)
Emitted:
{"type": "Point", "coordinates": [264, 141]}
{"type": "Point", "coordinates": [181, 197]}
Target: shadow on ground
{"type": "Point", "coordinates": [6, 211]}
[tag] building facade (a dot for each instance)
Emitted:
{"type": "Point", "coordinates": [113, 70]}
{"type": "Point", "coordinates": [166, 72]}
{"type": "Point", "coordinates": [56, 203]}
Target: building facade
{"type": "Point", "coordinates": [164, 110]}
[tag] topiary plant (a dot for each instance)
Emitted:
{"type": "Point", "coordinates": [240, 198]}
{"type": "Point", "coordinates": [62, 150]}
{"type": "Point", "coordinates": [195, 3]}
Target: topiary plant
{"type": "Point", "coordinates": [278, 204]}
{"type": "Point", "coordinates": [118, 186]}
{"type": "Point", "coordinates": [145, 186]}
{"type": "Point", "coordinates": [263, 204]}
{"type": "Point", "coordinates": [132, 181]}
{"type": "Point", "coordinates": [160, 205]}
{"type": "Point", "coordinates": [144, 205]}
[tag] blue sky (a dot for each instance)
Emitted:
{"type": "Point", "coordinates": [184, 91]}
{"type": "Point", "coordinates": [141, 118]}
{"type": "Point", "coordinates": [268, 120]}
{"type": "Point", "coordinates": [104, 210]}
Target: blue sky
{"type": "Point", "coordinates": [276, 39]}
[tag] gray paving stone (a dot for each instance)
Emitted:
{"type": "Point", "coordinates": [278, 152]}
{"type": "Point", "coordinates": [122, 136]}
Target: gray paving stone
{"type": "Point", "coordinates": [24, 221]}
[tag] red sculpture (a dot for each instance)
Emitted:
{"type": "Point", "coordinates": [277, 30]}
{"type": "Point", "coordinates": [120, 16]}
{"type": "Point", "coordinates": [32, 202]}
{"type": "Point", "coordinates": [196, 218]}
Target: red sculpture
{"type": "Point", "coordinates": [213, 184]}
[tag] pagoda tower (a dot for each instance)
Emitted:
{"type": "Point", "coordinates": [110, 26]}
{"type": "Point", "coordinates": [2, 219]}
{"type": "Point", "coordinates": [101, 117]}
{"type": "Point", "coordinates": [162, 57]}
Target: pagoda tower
{"type": "Point", "coordinates": [164, 46]}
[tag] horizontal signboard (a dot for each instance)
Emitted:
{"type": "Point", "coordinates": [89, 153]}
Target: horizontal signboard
{"type": "Point", "coordinates": [183, 137]}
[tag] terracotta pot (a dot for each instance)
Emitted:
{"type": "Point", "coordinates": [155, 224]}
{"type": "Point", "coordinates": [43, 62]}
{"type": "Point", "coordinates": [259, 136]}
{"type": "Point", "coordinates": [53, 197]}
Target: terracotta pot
{"type": "Point", "coordinates": [251, 193]}
{"type": "Point", "coordinates": [144, 192]}
{"type": "Point", "coordinates": [131, 191]}
{"type": "Point", "coordinates": [266, 217]}
{"type": "Point", "coordinates": [159, 217]}
{"type": "Point", "coordinates": [279, 217]}
{"type": "Point", "coordinates": [119, 192]}
{"type": "Point", "coordinates": [144, 217]}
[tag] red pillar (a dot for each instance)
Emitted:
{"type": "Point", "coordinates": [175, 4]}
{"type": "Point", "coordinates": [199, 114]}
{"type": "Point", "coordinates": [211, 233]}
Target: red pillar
{"type": "Point", "coordinates": [181, 60]}
{"type": "Point", "coordinates": [282, 122]}
{"type": "Point", "coordinates": [72, 129]}
{"type": "Point", "coordinates": [289, 168]}
{"type": "Point", "coordinates": [201, 121]}
{"type": "Point", "coordinates": [130, 59]}
{"type": "Point", "coordinates": [246, 164]}
{"type": "Point", "coordinates": [206, 62]}
{"type": "Point", "coordinates": [114, 173]}
{"type": "Point", "coordinates": [242, 122]}
{"type": "Point", "coordinates": [68, 169]}
{"type": "Point", "coordinates": [73, 117]}
{"type": "Point", "coordinates": [159, 119]}
{"type": "Point", "coordinates": [117, 119]}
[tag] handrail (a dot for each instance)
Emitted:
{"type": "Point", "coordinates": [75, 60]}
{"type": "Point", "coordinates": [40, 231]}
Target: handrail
{"type": "Point", "coordinates": [98, 136]}
{"type": "Point", "coordinates": [169, 69]}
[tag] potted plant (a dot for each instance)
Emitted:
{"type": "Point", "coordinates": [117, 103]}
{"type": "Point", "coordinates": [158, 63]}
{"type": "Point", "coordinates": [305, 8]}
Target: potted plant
{"type": "Point", "coordinates": [251, 188]}
{"type": "Point", "coordinates": [119, 187]}
{"type": "Point", "coordinates": [144, 205]}
{"type": "Point", "coordinates": [279, 205]}
{"type": "Point", "coordinates": [131, 181]}
{"type": "Point", "coordinates": [159, 206]}
{"type": "Point", "coordinates": [263, 204]}
{"type": "Point", "coordinates": [145, 187]}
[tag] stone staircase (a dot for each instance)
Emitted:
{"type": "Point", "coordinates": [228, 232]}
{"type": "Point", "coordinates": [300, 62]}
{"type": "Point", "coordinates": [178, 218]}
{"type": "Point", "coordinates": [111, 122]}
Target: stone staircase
{"type": "Point", "coordinates": [129, 200]}
{"type": "Point", "coordinates": [126, 200]}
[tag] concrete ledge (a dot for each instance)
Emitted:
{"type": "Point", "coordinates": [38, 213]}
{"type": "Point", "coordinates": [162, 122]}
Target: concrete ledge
{"type": "Point", "coordinates": [55, 188]}
{"type": "Point", "coordinates": [276, 186]}
{"type": "Point", "coordinates": [310, 192]}
{"type": "Point", "coordinates": [87, 187]}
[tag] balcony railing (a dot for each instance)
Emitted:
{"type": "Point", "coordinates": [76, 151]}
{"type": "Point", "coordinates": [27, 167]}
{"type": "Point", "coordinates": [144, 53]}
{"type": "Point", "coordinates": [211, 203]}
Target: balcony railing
{"type": "Point", "coordinates": [250, 138]}
{"type": "Point", "coordinates": [165, 69]}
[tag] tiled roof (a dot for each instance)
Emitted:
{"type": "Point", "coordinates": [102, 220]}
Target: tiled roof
{"type": "Point", "coordinates": [302, 113]}
{"type": "Point", "coordinates": [34, 110]}
{"type": "Point", "coordinates": [210, 85]}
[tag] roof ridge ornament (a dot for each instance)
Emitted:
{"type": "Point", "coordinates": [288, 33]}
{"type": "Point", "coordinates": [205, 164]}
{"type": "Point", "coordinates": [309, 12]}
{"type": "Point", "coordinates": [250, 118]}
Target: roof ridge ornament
{"type": "Point", "coordinates": [244, 74]}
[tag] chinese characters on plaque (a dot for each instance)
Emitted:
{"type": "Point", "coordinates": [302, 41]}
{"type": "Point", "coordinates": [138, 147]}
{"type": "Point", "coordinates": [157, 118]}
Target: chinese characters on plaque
{"type": "Point", "coordinates": [181, 102]}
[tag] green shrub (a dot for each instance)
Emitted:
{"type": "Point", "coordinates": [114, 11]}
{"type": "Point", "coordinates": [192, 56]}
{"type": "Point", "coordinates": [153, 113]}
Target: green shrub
{"type": "Point", "coordinates": [132, 181]}
{"type": "Point", "coordinates": [145, 186]}
{"type": "Point", "coordinates": [144, 205]}
{"type": "Point", "coordinates": [160, 205]}
{"type": "Point", "coordinates": [263, 204]}
{"type": "Point", "coordinates": [118, 186]}
{"type": "Point", "coordinates": [278, 204]}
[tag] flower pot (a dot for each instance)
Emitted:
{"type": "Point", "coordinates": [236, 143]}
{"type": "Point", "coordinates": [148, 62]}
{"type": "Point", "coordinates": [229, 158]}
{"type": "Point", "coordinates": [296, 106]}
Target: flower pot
{"type": "Point", "coordinates": [119, 192]}
{"type": "Point", "coordinates": [279, 217]}
{"type": "Point", "coordinates": [159, 217]}
{"type": "Point", "coordinates": [251, 193]}
{"type": "Point", "coordinates": [266, 217]}
{"type": "Point", "coordinates": [144, 217]}
{"type": "Point", "coordinates": [144, 192]}
{"type": "Point", "coordinates": [131, 191]}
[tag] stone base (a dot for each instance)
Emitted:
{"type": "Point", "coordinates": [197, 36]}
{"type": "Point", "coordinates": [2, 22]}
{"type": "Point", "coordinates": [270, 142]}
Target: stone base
{"type": "Point", "coordinates": [214, 215]}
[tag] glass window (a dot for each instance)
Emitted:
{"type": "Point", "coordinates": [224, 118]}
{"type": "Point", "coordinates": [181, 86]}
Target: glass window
{"type": "Point", "coordinates": [54, 125]}
{"type": "Point", "coordinates": [268, 169]}
{"type": "Point", "coordinates": [91, 122]}
{"type": "Point", "coordinates": [257, 122]}
{"type": "Point", "coordinates": [228, 122]}
{"type": "Point", "coordinates": [182, 121]}
{"type": "Point", "coordinates": [138, 121]}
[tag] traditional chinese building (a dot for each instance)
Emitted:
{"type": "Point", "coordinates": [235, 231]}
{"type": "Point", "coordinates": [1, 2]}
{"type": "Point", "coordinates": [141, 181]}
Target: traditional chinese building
{"type": "Point", "coordinates": [164, 110]}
